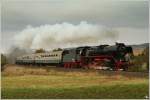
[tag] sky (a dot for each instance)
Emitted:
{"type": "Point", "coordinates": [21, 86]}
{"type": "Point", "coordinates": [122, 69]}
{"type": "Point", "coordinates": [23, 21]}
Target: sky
{"type": "Point", "coordinates": [129, 17]}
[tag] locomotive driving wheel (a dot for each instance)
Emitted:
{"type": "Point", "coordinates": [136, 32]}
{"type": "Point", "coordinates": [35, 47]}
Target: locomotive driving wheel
{"type": "Point", "coordinates": [102, 64]}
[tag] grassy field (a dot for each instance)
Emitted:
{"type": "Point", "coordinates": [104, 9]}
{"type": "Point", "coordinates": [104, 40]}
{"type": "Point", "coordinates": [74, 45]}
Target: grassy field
{"type": "Point", "coordinates": [45, 83]}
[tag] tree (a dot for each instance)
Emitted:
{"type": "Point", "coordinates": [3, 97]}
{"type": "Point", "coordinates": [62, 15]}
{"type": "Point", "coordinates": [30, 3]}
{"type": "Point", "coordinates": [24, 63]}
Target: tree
{"type": "Point", "coordinates": [58, 49]}
{"type": "Point", "coordinates": [40, 50]}
{"type": "Point", "coordinates": [3, 61]}
{"type": "Point", "coordinates": [146, 57]}
{"type": "Point", "coordinates": [141, 62]}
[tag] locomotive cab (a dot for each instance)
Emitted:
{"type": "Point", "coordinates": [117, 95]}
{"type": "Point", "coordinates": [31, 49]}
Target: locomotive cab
{"type": "Point", "coordinates": [129, 53]}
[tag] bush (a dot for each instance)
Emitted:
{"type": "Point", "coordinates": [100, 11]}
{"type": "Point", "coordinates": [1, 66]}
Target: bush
{"type": "Point", "coordinates": [3, 61]}
{"type": "Point", "coordinates": [58, 49]}
{"type": "Point", "coordinates": [141, 62]}
{"type": "Point", "coordinates": [40, 50]}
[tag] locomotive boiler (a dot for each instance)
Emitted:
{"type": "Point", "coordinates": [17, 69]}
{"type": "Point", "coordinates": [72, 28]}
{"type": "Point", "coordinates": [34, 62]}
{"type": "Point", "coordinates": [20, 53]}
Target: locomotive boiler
{"type": "Point", "coordinates": [113, 57]}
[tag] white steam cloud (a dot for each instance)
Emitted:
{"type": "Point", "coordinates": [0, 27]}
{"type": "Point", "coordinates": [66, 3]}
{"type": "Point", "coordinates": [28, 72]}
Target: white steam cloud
{"type": "Point", "coordinates": [64, 35]}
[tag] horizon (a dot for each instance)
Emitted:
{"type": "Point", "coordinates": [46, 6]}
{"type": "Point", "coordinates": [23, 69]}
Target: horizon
{"type": "Point", "coordinates": [9, 50]}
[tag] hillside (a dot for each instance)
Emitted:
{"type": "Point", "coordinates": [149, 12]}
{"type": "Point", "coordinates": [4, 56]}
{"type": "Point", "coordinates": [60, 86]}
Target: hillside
{"type": "Point", "coordinates": [140, 46]}
{"type": "Point", "coordinates": [138, 49]}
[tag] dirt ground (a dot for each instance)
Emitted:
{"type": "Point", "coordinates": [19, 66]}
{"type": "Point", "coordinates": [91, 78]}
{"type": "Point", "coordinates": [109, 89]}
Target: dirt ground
{"type": "Point", "coordinates": [13, 69]}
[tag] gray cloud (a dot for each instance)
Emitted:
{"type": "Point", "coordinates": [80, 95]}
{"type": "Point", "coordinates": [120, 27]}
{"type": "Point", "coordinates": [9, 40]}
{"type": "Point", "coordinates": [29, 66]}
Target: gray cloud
{"type": "Point", "coordinates": [16, 14]}
{"type": "Point", "coordinates": [129, 17]}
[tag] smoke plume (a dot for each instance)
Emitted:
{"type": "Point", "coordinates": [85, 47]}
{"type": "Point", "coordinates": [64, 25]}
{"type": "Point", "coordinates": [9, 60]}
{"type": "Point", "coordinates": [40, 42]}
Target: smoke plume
{"type": "Point", "coordinates": [63, 35]}
{"type": "Point", "coordinates": [14, 52]}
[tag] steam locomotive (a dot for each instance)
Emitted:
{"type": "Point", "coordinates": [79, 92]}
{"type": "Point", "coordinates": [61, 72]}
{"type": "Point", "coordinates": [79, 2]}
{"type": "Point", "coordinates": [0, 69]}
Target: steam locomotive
{"type": "Point", "coordinates": [113, 57]}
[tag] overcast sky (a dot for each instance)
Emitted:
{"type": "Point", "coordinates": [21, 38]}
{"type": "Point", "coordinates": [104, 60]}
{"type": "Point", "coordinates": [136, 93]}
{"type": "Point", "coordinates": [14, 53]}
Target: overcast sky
{"type": "Point", "coordinates": [129, 17]}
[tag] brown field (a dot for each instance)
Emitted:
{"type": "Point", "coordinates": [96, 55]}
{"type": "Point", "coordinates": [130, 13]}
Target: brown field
{"type": "Point", "coordinates": [15, 70]}
{"type": "Point", "coordinates": [137, 52]}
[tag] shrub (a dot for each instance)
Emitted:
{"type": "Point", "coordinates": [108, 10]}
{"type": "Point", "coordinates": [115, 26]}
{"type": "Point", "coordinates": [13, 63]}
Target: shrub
{"type": "Point", "coordinates": [3, 61]}
{"type": "Point", "coordinates": [40, 50]}
{"type": "Point", "coordinates": [141, 62]}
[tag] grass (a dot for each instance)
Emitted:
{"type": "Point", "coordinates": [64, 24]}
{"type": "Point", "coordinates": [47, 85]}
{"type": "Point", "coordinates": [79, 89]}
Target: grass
{"type": "Point", "coordinates": [137, 91]}
{"type": "Point", "coordinates": [72, 84]}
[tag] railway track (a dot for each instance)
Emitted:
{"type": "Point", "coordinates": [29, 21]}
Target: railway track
{"type": "Point", "coordinates": [125, 73]}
